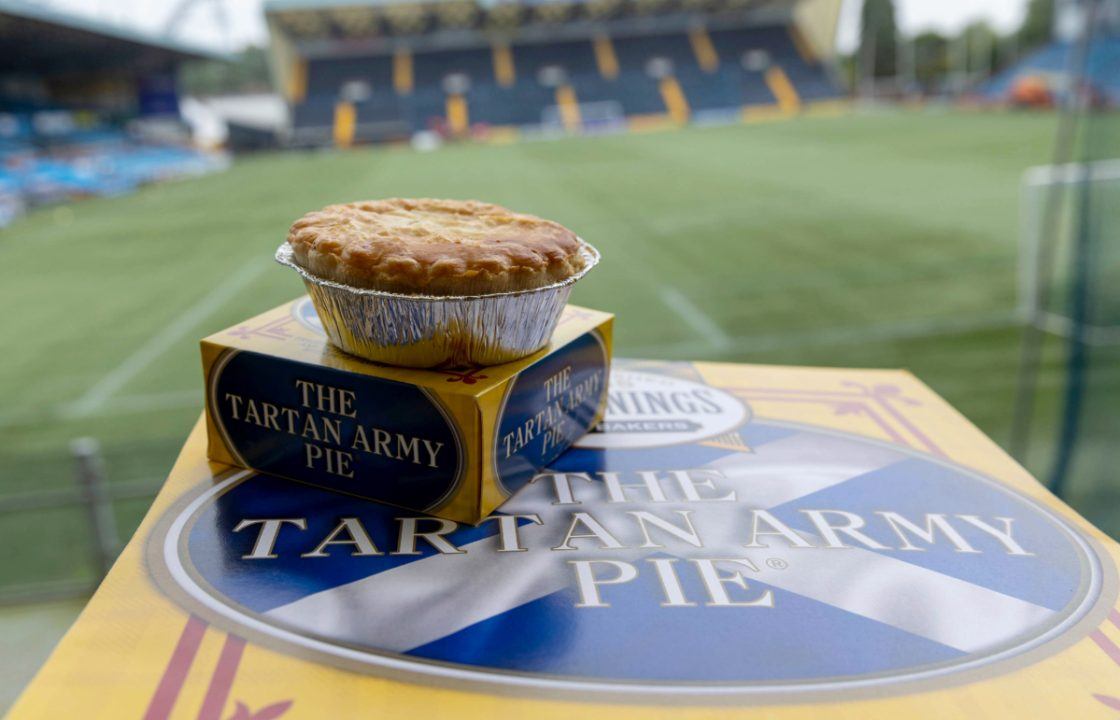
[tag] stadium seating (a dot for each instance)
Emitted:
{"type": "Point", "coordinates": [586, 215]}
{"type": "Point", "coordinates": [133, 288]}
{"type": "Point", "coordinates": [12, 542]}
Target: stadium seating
{"type": "Point", "coordinates": [385, 116]}
{"type": "Point", "coordinates": [1053, 61]}
{"type": "Point", "coordinates": [325, 78]}
{"type": "Point", "coordinates": [636, 92]}
{"type": "Point", "coordinates": [521, 104]}
{"type": "Point", "coordinates": [575, 57]}
{"type": "Point", "coordinates": [49, 155]}
{"type": "Point", "coordinates": [430, 68]}
{"type": "Point", "coordinates": [729, 77]}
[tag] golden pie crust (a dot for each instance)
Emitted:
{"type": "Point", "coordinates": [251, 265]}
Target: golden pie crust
{"type": "Point", "coordinates": [434, 247]}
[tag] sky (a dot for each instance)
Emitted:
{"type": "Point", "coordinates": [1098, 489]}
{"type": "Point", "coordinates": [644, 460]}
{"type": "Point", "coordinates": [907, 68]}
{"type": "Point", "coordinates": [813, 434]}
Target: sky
{"type": "Point", "coordinates": [244, 21]}
{"type": "Point", "coordinates": [946, 16]}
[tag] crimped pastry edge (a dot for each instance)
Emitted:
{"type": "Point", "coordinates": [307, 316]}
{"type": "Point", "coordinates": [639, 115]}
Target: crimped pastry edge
{"type": "Point", "coordinates": [285, 255]}
{"type": "Point", "coordinates": [536, 252]}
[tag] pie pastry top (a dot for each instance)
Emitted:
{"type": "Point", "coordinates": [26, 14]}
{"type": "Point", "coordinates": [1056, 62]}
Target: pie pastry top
{"type": "Point", "coordinates": [434, 247]}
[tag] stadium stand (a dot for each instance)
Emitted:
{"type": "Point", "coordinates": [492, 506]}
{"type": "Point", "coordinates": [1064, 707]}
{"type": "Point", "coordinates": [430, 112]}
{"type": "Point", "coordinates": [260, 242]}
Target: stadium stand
{"type": "Point", "coordinates": [376, 72]}
{"type": "Point", "coordinates": [86, 109]}
{"type": "Point", "coordinates": [1049, 67]}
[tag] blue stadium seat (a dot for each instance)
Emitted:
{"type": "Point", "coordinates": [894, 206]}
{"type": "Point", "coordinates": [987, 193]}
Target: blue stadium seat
{"type": "Point", "coordinates": [49, 153]}
{"type": "Point", "coordinates": [576, 57]}
{"type": "Point", "coordinates": [430, 68]}
{"type": "Point", "coordinates": [728, 88]}
{"type": "Point", "coordinates": [312, 121]}
{"type": "Point", "coordinates": [325, 78]}
{"type": "Point", "coordinates": [703, 90]}
{"type": "Point", "coordinates": [11, 198]}
{"type": "Point", "coordinates": [426, 105]}
{"type": "Point", "coordinates": [634, 52]}
{"type": "Point", "coordinates": [810, 79]}
{"type": "Point", "coordinates": [635, 91]}
{"type": "Point", "coordinates": [385, 116]}
{"type": "Point", "coordinates": [521, 104]}
{"type": "Point", "coordinates": [719, 90]}
{"type": "Point", "coordinates": [1103, 68]}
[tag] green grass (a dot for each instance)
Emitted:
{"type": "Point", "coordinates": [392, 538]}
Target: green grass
{"type": "Point", "coordinates": [883, 240]}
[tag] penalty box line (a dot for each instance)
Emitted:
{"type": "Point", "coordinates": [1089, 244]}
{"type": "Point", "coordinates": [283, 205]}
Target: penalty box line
{"type": "Point", "coordinates": [109, 385]}
{"type": "Point", "coordinates": [176, 399]}
{"type": "Point", "coordinates": [694, 317]}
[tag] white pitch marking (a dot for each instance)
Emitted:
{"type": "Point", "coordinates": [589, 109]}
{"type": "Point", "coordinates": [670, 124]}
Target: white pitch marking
{"type": "Point", "coordinates": [112, 407]}
{"type": "Point", "coordinates": [94, 398]}
{"type": "Point", "coordinates": [134, 404]}
{"type": "Point", "coordinates": [696, 318]}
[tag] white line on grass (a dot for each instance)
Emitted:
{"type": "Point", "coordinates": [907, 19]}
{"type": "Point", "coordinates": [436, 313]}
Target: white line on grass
{"type": "Point", "coordinates": [113, 406]}
{"type": "Point", "coordinates": [696, 318]}
{"type": "Point", "coordinates": [133, 404]}
{"type": "Point", "coordinates": [158, 344]}
{"type": "Point", "coordinates": [907, 330]}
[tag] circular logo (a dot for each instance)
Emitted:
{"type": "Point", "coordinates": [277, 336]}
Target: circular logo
{"type": "Point", "coordinates": [648, 410]}
{"type": "Point", "coordinates": [304, 313]}
{"type": "Point", "coordinates": [803, 564]}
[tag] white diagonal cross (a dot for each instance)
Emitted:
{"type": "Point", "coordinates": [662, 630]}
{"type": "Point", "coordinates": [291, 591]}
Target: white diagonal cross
{"type": "Point", "coordinates": [440, 599]}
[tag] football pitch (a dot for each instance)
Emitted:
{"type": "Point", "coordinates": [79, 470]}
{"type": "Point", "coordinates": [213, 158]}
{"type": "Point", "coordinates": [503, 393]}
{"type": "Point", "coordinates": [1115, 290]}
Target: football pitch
{"type": "Point", "coordinates": [886, 240]}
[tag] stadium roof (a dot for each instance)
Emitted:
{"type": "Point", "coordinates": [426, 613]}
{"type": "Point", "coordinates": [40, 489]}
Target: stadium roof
{"type": "Point", "coordinates": [271, 5]}
{"type": "Point", "coordinates": [41, 39]}
{"type": "Point", "coordinates": [314, 22]}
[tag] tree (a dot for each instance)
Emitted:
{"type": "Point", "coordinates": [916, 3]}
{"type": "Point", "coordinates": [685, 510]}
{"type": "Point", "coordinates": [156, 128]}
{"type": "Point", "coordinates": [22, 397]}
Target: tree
{"type": "Point", "coordinates": [877, 39]}
{"type": "Point", "coordinates": [848, 69]}
{"type": "Point", "coordinates": [1038, 25]}
{"type": "Point", "coordinates": [931, 60]}
{"type": "Point", "coordinates": [246, 71]}
{"type": "Point", "coordinates": [983, 47]}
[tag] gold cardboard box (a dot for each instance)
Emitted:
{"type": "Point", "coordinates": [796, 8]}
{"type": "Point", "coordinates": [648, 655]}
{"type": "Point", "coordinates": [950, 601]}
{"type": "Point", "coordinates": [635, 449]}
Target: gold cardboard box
{"type": "Point", "coordinates": [452, 442]}
{"type": "Point", "coordinates": [756, 542]}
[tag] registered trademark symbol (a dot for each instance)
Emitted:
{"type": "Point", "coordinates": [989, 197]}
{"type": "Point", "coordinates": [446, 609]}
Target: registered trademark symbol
{"type": "Point", "coordinates": [776, 564]}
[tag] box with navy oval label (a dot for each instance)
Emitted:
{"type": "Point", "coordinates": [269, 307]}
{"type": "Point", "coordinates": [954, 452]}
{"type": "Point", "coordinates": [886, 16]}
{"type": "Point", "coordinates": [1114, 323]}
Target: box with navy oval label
{"type": "Point", "coordinates": [453, 442]}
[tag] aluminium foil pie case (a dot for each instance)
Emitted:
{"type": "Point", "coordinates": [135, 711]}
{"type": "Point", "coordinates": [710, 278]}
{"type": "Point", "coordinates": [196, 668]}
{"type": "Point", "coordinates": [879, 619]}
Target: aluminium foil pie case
{"type": "Point", "coordinates": [453, 442]}
{"type": "Point", "coordinates": [731, 541]}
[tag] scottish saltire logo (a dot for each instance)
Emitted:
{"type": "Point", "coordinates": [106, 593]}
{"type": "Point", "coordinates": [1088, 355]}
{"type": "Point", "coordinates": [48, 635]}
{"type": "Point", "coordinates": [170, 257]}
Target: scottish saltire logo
{"type": "Point", "coordinates": [796, 563]}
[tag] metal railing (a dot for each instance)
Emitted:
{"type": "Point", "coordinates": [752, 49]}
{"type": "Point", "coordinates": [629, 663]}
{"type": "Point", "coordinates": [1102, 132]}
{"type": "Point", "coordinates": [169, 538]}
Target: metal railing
{"type": "Point", "coordinates": [95, 496]}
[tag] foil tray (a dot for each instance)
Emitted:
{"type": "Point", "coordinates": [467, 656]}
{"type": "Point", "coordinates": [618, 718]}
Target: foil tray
{"type": "Point", "coordinates": [424, 331]}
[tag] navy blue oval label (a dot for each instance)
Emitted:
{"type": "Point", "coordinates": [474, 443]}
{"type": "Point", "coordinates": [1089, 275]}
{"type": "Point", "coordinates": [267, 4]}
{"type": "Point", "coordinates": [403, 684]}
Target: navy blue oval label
{"type": "Point", "coordinates": [374, 438]}
{"type": "Point", "coordinates": [806, 564]}
{"type": "Point", "coordinates": [547, 408]}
